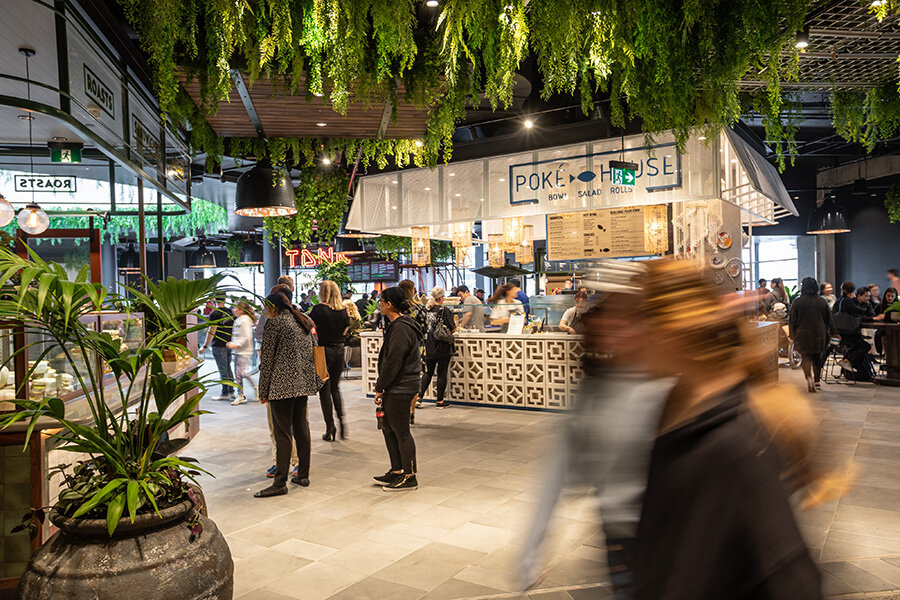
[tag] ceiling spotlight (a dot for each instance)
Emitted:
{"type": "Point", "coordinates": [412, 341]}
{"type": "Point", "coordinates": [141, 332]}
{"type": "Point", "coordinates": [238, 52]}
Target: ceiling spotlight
{"type": "Point", "coordinates": [802, 39]}
{"type": "Point", "coordinates": [428, 189]}
{"type": "Point", "coordinates": [26, 117]}
{"type": "Point", "coordinates": [528, 123]}
{"type": "Point", "coordinates": [321, 124]}
{"type": "Point", "coordinates": [395, 182]}
{"type": "Point", "coordinates": [58, 138]}
{"type": "Point", "coordinates": [702, 138]}
{"type": "Point", "coordinates": [432, 4]}
{"type": "Point", "coordinates": [419, 144]}
{"type": "Point", "coordinates": [326, 161]}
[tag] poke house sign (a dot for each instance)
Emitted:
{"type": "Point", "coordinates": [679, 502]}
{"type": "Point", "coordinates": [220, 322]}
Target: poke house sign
{"type": "Point", "coordinates": [592, 176]}
{"type": "Point", "coordinates": [45, 183]}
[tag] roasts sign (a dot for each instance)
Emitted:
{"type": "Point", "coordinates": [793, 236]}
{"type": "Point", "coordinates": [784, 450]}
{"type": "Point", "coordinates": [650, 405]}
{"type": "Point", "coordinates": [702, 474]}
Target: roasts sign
{"type": "Point", "coordinates": [44, 183]}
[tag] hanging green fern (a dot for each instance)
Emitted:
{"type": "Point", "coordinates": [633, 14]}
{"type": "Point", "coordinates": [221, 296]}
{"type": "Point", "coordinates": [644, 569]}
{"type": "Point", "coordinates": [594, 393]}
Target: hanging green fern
{"type": "Point", "coordinates": [321, 200]}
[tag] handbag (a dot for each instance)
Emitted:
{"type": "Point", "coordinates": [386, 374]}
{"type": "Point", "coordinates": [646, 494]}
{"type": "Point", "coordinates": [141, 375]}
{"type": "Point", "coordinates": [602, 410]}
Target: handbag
{"type": "Point", "coordinates": [440, 331]}
{"type": "Point", "coordinates": [319, 359]}
{"type": "Point", "coordinates": [846, 324]}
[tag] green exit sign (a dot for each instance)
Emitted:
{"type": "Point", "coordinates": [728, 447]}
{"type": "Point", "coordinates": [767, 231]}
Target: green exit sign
{"type": "Point", "coordinates": [622, 173]}
{"type": "Point", "coordinates": [65, 155]}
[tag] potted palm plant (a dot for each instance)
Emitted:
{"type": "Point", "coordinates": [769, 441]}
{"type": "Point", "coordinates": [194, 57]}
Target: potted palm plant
{"type": "Point", "coordinates": [129, 511]}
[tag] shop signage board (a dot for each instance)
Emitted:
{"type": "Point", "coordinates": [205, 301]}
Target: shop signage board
{"type": "Point", "coordinates": [596, 234]}
{"type": "Point", "coordinates": [146, 142]}
{"type": "Point", "coordinates": [374, 271]}
{"type": "Point", "coordinates": [595, 177]}
{"type": "Point", "coordinates": [305, 258]}
{"type": "Point", "coordinates": [45, 183]}
{"type": "Point", "coordinates": [99, 92]}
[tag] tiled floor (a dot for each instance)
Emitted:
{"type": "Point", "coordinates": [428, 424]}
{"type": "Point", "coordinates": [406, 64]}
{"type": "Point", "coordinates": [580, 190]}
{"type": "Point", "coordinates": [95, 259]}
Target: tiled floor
{"type": "Point", "coordinates": [479, 471]}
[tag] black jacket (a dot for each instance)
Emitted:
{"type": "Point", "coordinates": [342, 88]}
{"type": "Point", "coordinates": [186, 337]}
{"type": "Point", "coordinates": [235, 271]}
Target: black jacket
{"type": "Point", "coordinates": [849, 305]}
{"type": "Point", "coordinates": [716, 523]}
{"type": "Point", "coordinates": [399, 360]}
{"type": "Point", "coordinates": [434, 348]}
{"type": "Point", "coordinates": [810, 324]}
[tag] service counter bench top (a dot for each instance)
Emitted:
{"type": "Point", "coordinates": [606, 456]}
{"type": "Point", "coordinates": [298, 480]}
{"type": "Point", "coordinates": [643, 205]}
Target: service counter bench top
{"type": "Point", "coordinates": [530, 371]}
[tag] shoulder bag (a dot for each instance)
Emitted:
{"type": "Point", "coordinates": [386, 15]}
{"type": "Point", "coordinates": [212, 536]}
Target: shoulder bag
{"type": "Point", "coordinates": [321, 365]}
{"type": "Point", "coordinates": [440, 331]}
{"type": "Point", "coordinates": [845, 323]}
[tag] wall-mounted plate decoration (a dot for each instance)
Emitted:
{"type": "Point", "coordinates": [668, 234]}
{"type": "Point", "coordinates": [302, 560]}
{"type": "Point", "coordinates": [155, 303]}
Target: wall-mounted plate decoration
{"type": "Point", "coordinates": [719, 278]}
{"type": "Point", "coordinates": [735, 268]}
{"type": "Point", "coordinates": [723, 240]}
{"type": "Point", "coordinates": [717, 261]}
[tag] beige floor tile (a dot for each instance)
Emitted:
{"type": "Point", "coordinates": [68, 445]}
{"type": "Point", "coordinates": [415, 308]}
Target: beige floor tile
{"type": "Point", "coordinates": [373, 588]}
{"type": "Point", "coordinates": [429, 566]}
{"type": "Point", "coordinates": [453, 589]}
{"type": "Point", "coordinates": [304, 549]}
{"type": "Point", "coordinates": [317, 581]}
{"type": "Point", "coordinates": [501, 580]}
{"type": "Point", "coordinates": [477, 537]}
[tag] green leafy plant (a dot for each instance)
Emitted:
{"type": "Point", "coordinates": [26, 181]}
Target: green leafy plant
{"type": "Point", "coordinates": [371, 308]}
{"type": "Point", "coordinates": [321, 199]}
{"type": "Point", "coordinates": [130, 469]}
{"type": "Point", "coordinates": [336, 271]}
{"type": "Point", "coordinates": [233, 248]}
{"type": "Point", "coordinates": [867, 116]}
{"type": "Point", "coordinates": [892, 203]}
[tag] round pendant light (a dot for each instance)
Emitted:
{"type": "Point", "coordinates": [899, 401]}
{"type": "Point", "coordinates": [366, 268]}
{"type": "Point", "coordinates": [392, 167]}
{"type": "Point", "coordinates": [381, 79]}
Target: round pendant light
{"type": "Point", "coordinates": [264, 191]}
{"type": "Point", "coordinates": [251, 254]}
{"type": "Point", "coordinates": [33, 219]}
{"type": "Point", "coordinates": [129, 262]}
{"type": "Point", "coordinates": [202, 258]}
{"type": "Point", "coordinates": [7, 212]}
{"type": "Point", "coordinates": [828, 218]}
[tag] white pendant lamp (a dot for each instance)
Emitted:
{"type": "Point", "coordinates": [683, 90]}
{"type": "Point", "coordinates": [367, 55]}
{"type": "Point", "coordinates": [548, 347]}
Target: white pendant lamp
{"type": "Point", "coordinates": [7, 212]}
{"type": "Point", "coordinates": [33, 219]}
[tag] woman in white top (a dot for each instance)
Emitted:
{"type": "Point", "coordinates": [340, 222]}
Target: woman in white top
{"type": "Point", "coordinates": [241, 345]}
{"type": "Point", "coordinates": [505, 304]}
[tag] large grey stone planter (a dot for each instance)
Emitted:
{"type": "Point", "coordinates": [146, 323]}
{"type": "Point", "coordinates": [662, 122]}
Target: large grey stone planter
{"type": "Point", "coordinates": [148, 559]}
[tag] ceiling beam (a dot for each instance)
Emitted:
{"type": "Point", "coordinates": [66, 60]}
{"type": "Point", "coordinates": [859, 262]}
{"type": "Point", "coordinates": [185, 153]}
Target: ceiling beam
{"type": "Point", "coordinates": [244, 93]}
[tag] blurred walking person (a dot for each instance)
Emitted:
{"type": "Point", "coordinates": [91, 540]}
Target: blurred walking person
{"type": "Point", "coordinates": [217, 338]}
{"type": "Point", "coordinates": [332, 324]}
{"type": "Point", "coordinates": [811, 325]}
{"type": "Point", "coordinates": [399, 367]}
{"type": "Point", "coordinates": [241, 346]}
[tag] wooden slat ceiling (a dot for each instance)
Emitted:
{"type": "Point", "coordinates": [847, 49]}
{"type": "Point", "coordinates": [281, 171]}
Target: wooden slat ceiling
{"type": "Point", "coordinates": [284, 115]}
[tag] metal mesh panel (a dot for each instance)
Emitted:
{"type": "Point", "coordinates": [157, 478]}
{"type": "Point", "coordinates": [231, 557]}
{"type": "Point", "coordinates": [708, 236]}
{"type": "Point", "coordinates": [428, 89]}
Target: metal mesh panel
{"type": "Point", "coordinates": [464, 191]}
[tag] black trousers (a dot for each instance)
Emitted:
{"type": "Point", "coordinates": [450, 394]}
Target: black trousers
{"type": "Point", "coordinates": [290, 422]}
{"type": "Point", "coordinates": [879, 341]}
{"type": "Point", "coordinates": [330, 394]}
{"type": "Point", "coordinates": [812, 365]}
{"type": "Point", "coordinates": [441, 365]}
{"type": "Point", "coordinates": [397, 437]}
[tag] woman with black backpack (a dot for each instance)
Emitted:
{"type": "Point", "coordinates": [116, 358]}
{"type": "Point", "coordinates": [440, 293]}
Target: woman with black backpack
{"type": "Point", "coordinates": [439, 328]}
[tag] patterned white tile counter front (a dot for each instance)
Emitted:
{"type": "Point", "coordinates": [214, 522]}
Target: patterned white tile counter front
{"type": "Point", "coordinates": [538, 371]}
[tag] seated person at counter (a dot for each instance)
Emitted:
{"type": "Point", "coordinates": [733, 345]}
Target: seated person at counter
{"type": "Point", "coordinates": [858, 348]}
{"type": "Point", "coordinates": [884, 309]}
{"type": "Point", "coordinates": [505, 304]}
{"type": "Point", "coordinates": [473, 310]}
{"type": "Point", "coordinates": [571, 319]}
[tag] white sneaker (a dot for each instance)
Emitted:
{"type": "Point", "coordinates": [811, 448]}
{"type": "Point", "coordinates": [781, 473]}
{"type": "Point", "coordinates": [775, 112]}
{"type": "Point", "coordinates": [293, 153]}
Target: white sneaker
{"type": "Point", "coordinates": [845, 364]}
{"type": "Point", "coordinates": [239, 400]}
{"type": "Point", "coordinates": [418, 404]}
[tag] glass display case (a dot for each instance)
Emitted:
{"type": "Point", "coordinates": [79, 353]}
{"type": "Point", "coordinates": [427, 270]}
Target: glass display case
{"type": "Point", "coordinates": [128, 328]}
{"type": "Point", "coordinates": [7, 370]}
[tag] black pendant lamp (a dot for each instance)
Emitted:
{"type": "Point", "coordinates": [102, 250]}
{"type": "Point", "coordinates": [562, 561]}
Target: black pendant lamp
{"type": "Point", "coordinates": [202, 258]}
{"type": "Point", "coordinates": [130, 262]}
{"type": "Point", "coordinates": [828, 218]}
{"type": "Point", "coordinates": [251, 254]}
{"type": "Point", "coordinates": [264, 191]}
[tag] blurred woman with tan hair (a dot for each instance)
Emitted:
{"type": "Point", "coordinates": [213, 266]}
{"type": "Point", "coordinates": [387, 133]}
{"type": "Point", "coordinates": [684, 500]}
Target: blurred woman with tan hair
{"type": "Point", "coordinates": [716, 521]}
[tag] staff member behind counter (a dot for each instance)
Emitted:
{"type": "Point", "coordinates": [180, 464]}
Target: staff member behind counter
{"type": "Point", "coordinates": [571, 320]}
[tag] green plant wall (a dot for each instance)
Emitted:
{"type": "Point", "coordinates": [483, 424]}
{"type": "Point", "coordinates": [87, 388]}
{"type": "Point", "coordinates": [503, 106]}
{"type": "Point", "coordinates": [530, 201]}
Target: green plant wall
{"type": "Point", "coordinates": [321, 199]}
{"type": "Point", "coordinates": [672, 64]}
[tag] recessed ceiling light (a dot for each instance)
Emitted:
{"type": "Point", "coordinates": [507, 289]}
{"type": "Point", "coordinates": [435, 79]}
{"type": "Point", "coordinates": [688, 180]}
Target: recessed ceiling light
{"type": "Point", "coordinates": [326, 161]}
{"type": "Point", "coordinates": [452, 175]}
{"type": "Point", "coordinates": [528, 123]}
{"type": "Point", "coordinates": [801, 41]}
{"type": "Point", "coordinates": [394, 207]}
{"type": "Point", "coordinates": [432, 4]}
{"type": "Point", "coordinates": [702, 138]}
{"type": "Point", "coordinates": [395, 182]}
{"type": "Point", "coordinates": [734, 160]}
{"type": "Point", "coordinates": [419, 143]}
{"type": "Point", "coordinates": [457, 195]}
{"type": "Point", "coordinates": [321, 124]}
{"type": "Point", "coordinates": [501, 180]}
{"type": "Point", "coordinates": [427, 189]}
{"type": "Point", "coordinates": [58, 138]}
{"type": "Point", "coordinates": [796, 197]}
{"type": "Point", "coordinates": [26, 117]}
{"type": "Point", "coordinates": [318, 94]}
{"type": "Point", "coordinates": [481, 199]}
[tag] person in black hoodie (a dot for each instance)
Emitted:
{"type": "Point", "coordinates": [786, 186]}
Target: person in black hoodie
{"type": "Point", "coordinates": [399, 366]}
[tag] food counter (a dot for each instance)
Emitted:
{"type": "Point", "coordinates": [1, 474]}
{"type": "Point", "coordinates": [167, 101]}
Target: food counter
{"type": "Point", "coordinates": [530, 371]}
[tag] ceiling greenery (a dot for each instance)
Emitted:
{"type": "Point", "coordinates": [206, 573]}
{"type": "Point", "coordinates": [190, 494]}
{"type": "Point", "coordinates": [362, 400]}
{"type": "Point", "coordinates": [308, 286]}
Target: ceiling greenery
{"type": "Point", "coordinates": [321, 199]}
{"type": "Point", "coordinates": [672, 64]}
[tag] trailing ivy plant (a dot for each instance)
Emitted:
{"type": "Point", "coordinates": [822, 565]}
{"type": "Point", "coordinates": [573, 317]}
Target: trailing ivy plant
{"type": "Point", "coordinates": [866, 116]}
{"type": "Point", "coordinates": [673, 65]}
{"type": "Point", "coordinates": [892, 203]}
{"type": "Point", "coordinates": [321, 199]}
{"type": "Point", "coordinates": [393, 247]}
{"type": "Point", "coordinates": [205, 217]}
{"type": "Point", "coordinates": [233, 248]}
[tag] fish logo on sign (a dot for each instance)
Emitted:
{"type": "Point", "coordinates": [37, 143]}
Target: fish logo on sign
{"type": "Point", "coordinates": [584, 177]}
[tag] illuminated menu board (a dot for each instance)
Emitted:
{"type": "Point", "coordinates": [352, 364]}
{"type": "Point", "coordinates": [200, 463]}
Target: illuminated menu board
{"type": "Point", "coordinates": [388, 270]}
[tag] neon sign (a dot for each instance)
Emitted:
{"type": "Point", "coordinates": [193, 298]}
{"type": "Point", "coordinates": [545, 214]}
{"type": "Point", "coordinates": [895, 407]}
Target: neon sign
{"type": "Point", "coordinates": [305, 259]}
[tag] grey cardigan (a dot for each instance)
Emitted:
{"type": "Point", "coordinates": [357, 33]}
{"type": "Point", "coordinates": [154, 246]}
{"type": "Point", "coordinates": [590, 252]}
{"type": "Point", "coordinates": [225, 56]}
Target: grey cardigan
{"type": "Point", "coordinates": [287, 368]}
